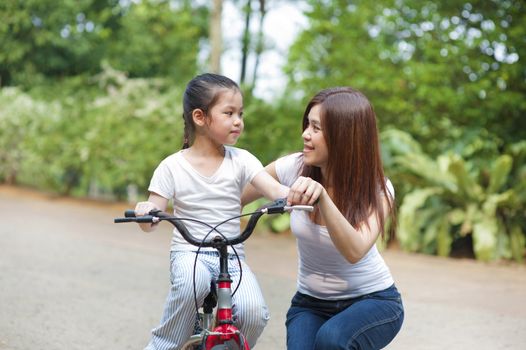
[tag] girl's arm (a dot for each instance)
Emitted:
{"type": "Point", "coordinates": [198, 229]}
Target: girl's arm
{"type": "Point", "coordinates": [154, 201]}
{"type": "Point", "coordinates": [264, 184]}
{"type": "Point", "coordinates": [352, 243]}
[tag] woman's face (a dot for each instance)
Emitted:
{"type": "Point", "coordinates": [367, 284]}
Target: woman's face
{"type": "Point", "coordinates": [315, 152]}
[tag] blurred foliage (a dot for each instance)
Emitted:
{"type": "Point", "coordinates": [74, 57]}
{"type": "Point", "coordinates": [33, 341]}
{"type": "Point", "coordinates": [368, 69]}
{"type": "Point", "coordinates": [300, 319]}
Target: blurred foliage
{"type": "Point", "coordinates": [433, 68]}
{"type": "Point", "coordinates": [48, 39]}
{"type": "Point", "coordinates": [450, 75]}
{"type": "Point", "coordinates": [91, 102]}
{"type": "Point", "coordinates": [106, 136]}
{"type": "Point", "coordinates": [451, 197]}
{"type": "Point", "coordinates": [272, 129]}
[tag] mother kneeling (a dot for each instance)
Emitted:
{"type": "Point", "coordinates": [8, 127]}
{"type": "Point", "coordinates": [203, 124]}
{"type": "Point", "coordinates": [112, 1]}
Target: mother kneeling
{"type": "Point", "coordinates": [346, 297]}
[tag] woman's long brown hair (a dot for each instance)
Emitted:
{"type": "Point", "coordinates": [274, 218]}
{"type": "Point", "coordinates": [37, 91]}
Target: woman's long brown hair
{"type": "Point", "coordinates": [354, 167]}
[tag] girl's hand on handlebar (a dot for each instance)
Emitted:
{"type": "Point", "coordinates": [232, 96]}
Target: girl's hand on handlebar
{"type": "Point", "coordinates": [305, 191]}
{"type": "Point", "coordinates": [143, 208]}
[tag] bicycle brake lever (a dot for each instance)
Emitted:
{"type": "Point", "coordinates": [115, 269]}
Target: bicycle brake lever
{"type": "Point", "coordinates": [154, 212]}
{"type": "Point", "coordinates": [276, 207]}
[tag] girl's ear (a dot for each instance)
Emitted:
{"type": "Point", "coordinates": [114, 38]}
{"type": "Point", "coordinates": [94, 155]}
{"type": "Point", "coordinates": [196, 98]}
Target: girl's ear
{"type": "Point", "coordinates": [199, 117]}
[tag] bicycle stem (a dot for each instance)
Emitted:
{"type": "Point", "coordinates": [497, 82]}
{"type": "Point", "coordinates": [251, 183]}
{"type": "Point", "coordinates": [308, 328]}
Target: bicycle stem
{"type": "Point", "coordinates": [224, 289]}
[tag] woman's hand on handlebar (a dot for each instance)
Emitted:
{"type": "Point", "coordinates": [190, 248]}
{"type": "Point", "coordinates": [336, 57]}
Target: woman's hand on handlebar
{"type": "Point", "coordinates": [305, 191]}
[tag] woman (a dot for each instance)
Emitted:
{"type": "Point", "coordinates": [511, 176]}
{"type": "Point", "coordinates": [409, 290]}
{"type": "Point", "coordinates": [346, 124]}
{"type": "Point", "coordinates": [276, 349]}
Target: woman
{"type": "Point", "coordinates": [346, 297]}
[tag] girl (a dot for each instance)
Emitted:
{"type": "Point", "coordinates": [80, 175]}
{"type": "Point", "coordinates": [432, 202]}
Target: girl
{"type": "Point", "coordinates": [205, 180]}
{"type": "Point", "coordinates": [346, 298]}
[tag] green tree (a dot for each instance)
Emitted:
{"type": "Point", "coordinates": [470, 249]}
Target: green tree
{"type": "Point", "coordinates": [158, 39]}
{"type": "Point", "coordinates": [44, 38]}
{"type": "Point", "coordinates": [48, 39]}
{"type": "Point", "coordinates": [450, 74]}
{"type": "Point", "coordinates": [433, 68]}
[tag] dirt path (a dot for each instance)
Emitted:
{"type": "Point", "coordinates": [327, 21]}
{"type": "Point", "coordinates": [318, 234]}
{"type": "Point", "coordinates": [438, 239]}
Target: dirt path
{"type": "Point", "coordinates": [71, 279]}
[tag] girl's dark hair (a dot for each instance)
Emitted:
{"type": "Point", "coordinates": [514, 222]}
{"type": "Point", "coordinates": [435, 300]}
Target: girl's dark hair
{"type": "Point", "coordinates": [202, 93]}
{"type": "Point", "coordinates": [354, 167]}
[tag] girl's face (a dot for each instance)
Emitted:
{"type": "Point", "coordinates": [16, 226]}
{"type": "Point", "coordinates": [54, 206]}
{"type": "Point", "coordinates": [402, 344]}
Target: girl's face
{"type": "Point", "coordinates": [315, 151]}
{"type": "Point", "coordinates": [226, 118]}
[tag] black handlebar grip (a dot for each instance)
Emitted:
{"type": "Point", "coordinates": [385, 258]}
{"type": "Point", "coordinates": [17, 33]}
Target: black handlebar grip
{"type": "Point", "coordinates": [130, 213]}
{"type": "Point", "coordinates": [128, 218]}
{"type": "Point", "coordinates": [120, 220]}
{"type": "Point", "coordinates": [142, 219]}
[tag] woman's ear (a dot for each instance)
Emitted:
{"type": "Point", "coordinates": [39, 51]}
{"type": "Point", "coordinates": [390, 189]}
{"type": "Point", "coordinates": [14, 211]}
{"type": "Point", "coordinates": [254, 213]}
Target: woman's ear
{"type": "Point", "coordinates": [199, 117]}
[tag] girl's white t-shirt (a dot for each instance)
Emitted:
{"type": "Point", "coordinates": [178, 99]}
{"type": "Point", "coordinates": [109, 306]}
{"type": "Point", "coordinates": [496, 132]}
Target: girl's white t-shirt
{"type": "Point", "coordinates": [322, 271]}
{"type": "Point", "coordinates": [211, 199]}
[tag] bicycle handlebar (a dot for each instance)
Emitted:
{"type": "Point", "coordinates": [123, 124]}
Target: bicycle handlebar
{"type": "Point", "coordinates": [279, 206]}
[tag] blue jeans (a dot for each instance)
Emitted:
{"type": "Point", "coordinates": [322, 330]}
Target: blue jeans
{"type": "Point", "coordinates": [370, 321]}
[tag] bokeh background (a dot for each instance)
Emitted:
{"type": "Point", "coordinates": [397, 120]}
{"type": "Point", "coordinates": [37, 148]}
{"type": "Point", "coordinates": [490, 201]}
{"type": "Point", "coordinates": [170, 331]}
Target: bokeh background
{"type": "Point", "coordinates": [90, 98]}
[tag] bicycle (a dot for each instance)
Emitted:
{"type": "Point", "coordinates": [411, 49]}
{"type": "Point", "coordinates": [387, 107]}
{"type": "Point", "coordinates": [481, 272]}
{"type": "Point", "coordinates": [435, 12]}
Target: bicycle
{"type": "Point", "coordinates": [216, 332]}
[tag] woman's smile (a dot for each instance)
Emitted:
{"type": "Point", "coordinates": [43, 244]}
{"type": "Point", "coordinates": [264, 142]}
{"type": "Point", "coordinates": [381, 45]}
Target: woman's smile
{"type": "Point", "coordinates": [307, 148]}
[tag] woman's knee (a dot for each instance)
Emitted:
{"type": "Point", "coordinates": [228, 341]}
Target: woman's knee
{"type": "Point", "coordinates": [330, 337]}
{"type": "Point", "coordinates": [371, 337]}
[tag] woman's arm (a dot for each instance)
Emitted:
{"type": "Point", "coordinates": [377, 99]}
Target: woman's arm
{"type": "Point", "coordinates": [154, 201]}
{"type": "Point", "coordinates": [352, 243]}
{"type": "Point", "coordinates": [264, 184]}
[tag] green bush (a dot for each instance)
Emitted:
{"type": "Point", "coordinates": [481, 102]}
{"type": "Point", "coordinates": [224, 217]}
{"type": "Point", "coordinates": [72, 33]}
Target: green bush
{"type": "Point", "coordinates": [451, 197]}
{"type": "Point", "coordinates": [100, 139]}
{"type": "Point", "coordinates": [24, 126]}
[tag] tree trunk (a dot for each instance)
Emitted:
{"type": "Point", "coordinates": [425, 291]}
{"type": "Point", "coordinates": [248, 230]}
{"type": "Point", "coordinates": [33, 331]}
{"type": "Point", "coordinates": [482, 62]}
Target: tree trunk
{"type": "Point", "coordinates": [260, 42]}
{"type": "Point", "coordinates": [245, 41]}
{"type": "Point", "coordinates": [216, 40]}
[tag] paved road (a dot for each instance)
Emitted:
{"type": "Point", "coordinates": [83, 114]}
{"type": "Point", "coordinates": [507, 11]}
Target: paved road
{"type": "Point", "coordinates": [71, 279]}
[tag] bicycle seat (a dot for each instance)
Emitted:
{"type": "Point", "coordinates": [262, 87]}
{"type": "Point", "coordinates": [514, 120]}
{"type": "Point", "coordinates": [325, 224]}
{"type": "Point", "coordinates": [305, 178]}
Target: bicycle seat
{"type": "Point", "coordinates": [210, 301]}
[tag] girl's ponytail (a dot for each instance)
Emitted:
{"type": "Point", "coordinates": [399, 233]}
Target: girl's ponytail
{"type": "Point", "coordinates": [186, 141]}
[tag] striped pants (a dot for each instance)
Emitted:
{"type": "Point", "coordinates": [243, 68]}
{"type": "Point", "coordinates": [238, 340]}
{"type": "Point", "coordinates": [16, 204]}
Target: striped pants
{"type": "Point", "coordinates": [250, 312]}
